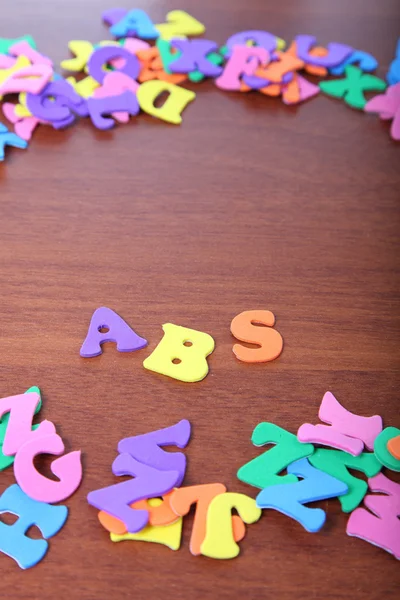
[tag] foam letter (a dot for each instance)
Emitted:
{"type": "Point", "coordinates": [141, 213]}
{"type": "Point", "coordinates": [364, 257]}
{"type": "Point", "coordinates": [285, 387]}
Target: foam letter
{"type": "Point", "coordinates": [219, 541]}
{"type": "Point", "coordinates": [252, 38]}
{"type": "Point", "coordinates": [6, 461]}
{"type": "Point", "coordinates": [192, 363]}
{"type": "Point", "coordinates": [168, 535]}
{"type": "Point", "coordinates": [114, 84]}
{"type": "Point", "coordinates": [160, 513]}
{"type": "Point", "coordinates": [347, 431]}
{"type": "Point", "coordinates": [263, 470]}
{"type": "Point", "coordinates": [30, 79]}
{"type": "Point", "coordinates": [244, 329]}
{"type": "Point", "coordinates": [243, 61]}
{"type": "Point", "coordinates": [148, 483]}
{"type": "Point", "coordinates": [351, 87]}
{"type": "Point", "coordinates": [8, 138]}
{"type": "Point", "coordinates": [119, 331]}
{"type": "Point", "coordinates": [194, 57]}
{"type": "Point", "coordinates": [82, 50]}
{"type": "Point", "coordinates": [337, 464]}
{"type": "Point", "coordinates": [202, 495]}
{"type": "Point", "coordinates": [22, 408]}
{"type": "Point", "coordinates": [135, 23]}
{"type": "Point", "coordinates": [179, 23]}
{"type": "Point", "coordinates": [289, 498]}
{"type": "Point", "coordinates": [23, 48]}
{"type": "Point", "coordinates": [337, 53]}
{"type": "Point", "coordinates": [13, 541]}
{"type": "Point", "coordinates": [146, 448]}
{"type": "Point", "coordinates": [172, 108]}
{"type": "Point", "coordinates": [125, 103]}
{"type": "Point", "coordinates": [383, 527]}
{"type": "Point", "coordinates": [68, 469]}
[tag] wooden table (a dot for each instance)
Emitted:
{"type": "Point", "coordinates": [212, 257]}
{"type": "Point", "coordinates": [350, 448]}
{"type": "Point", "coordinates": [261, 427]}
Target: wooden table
{"type": "Point", "coordinates": [249, 204]}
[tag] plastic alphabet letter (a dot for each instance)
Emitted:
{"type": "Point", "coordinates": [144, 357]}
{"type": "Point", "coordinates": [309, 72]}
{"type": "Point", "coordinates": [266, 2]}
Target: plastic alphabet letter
{"type": "Point", "coordinates": [114, 84]}
{"type": "Point", "coordinates": [6, 44]}
{"type": "Point", "coordinates": [190, 362]}
{"type": "Point", "coordinates": [135, 23]}
{"type": "Point", "coordinates": [57, 102]}
{"type": "Point", "coordinates": [106, 54]}
{"type": "Point", "coordinates": [27, 79]}
{"type": "Point", "coordinates": [393, 75]}
{"type": "Point", "coordinates": [255, 37]}
{"type": "Point", "coordinates": [179, 23]}
{"type": "Point", "coordinates": [337, 464]}
{"type": "Point", "coordinates": [219, 541]}
{"type": "Point", "coordinates": [147, 448]}
{"type": "Point", "coordinates": [118, 331]}
{"type": "Point", "coordinates": [202, 495]}
{"type": "Point", "coordinates": [269, 340]}
{"type": "Point", "coordinates": [351, 88]}
{"type": "Point", "coordinates": [172, 108]}
{"type": "Point", "coordinates": [23, 48]}
{"type": "Point", "coordinates": [9, 138]}
{"type": "Point", "coordinates": [68, 469]}
{"type": "Point", "coordinates": [289, 498]}
{"type": "Point", "coordinates": [382, 528]}
{"type": "Point", "coordinates": [13, 541]}
{"type": "Point", "coordinates": [82, 50]}
{"type": "Point", "coordinates": [109, 105]}
{"type": "Point", "coordinates": [387, 105]}
{"type": "Point", "coordinates": [366, 61]}
{"type": "Point", "coordinates": [160, 513]}
{"type": "Point", "coordinates": [21, 409]}
{"type": "Point", "coordinates": [6, 461]}
{"type": "Point", "coordinates": [263, 470]}
{"type": "Point", "coordinates": [347, 431]}
{"type": "Point", "coordinates": [193, 56]}
{"type": "Point", "coordinates": [167, 535]}
{"type": "Point", "coordinates": [337, 53]}
{"type": "Point", "coordinates": [148, 483]}
{"type": "Point", "coordinates": [382, 451]}
{"type": "Point", "coordinates": [244, 60]}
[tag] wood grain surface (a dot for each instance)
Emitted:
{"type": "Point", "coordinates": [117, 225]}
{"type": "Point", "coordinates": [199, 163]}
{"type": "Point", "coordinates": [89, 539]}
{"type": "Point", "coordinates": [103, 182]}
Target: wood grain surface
{"type": "Point", "coordinates": [248, 204]}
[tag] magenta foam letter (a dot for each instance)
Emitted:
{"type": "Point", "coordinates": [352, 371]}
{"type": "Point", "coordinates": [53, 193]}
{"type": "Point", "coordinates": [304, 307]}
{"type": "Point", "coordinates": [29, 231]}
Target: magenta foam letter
{"type": "Point", "coordinates": [148, 483]}
{"type": "Point", "coordinates": [146, 448]}
{"type": "Point", "coordinates": [348, 432]}
{"type": "Point", "coordinates": [68, 469]}
{"type": "Point", "coordinates": [118, 331]}
{"type": "Point", "coordinates": [30, 79]}
{"type": "Point", "coordinates": [244, 61]}
{"type": "Point", "coordinates": [19, 430]}
{"type": "Point", "coordinates": [383, 527]}
{"type": "Point", "coordinates": [387, 105]}
{"type": "Point", "coordinates": [23, 48]}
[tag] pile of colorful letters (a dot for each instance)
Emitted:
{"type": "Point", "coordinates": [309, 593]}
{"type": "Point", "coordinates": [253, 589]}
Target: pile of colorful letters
{"type": "Point", "coordinates": [32, 497]}
{"type": "Point", "coordinates": [151, 504]}
{"type": "Point", "coordinates": [134, 510]}
{"type": "Point", "coordinates": [127, 75]}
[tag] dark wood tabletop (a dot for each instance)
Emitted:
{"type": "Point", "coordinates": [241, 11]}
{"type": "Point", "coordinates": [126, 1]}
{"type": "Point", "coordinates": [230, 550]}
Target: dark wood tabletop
{"type": "Point", "coordinates": [249, 204]}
